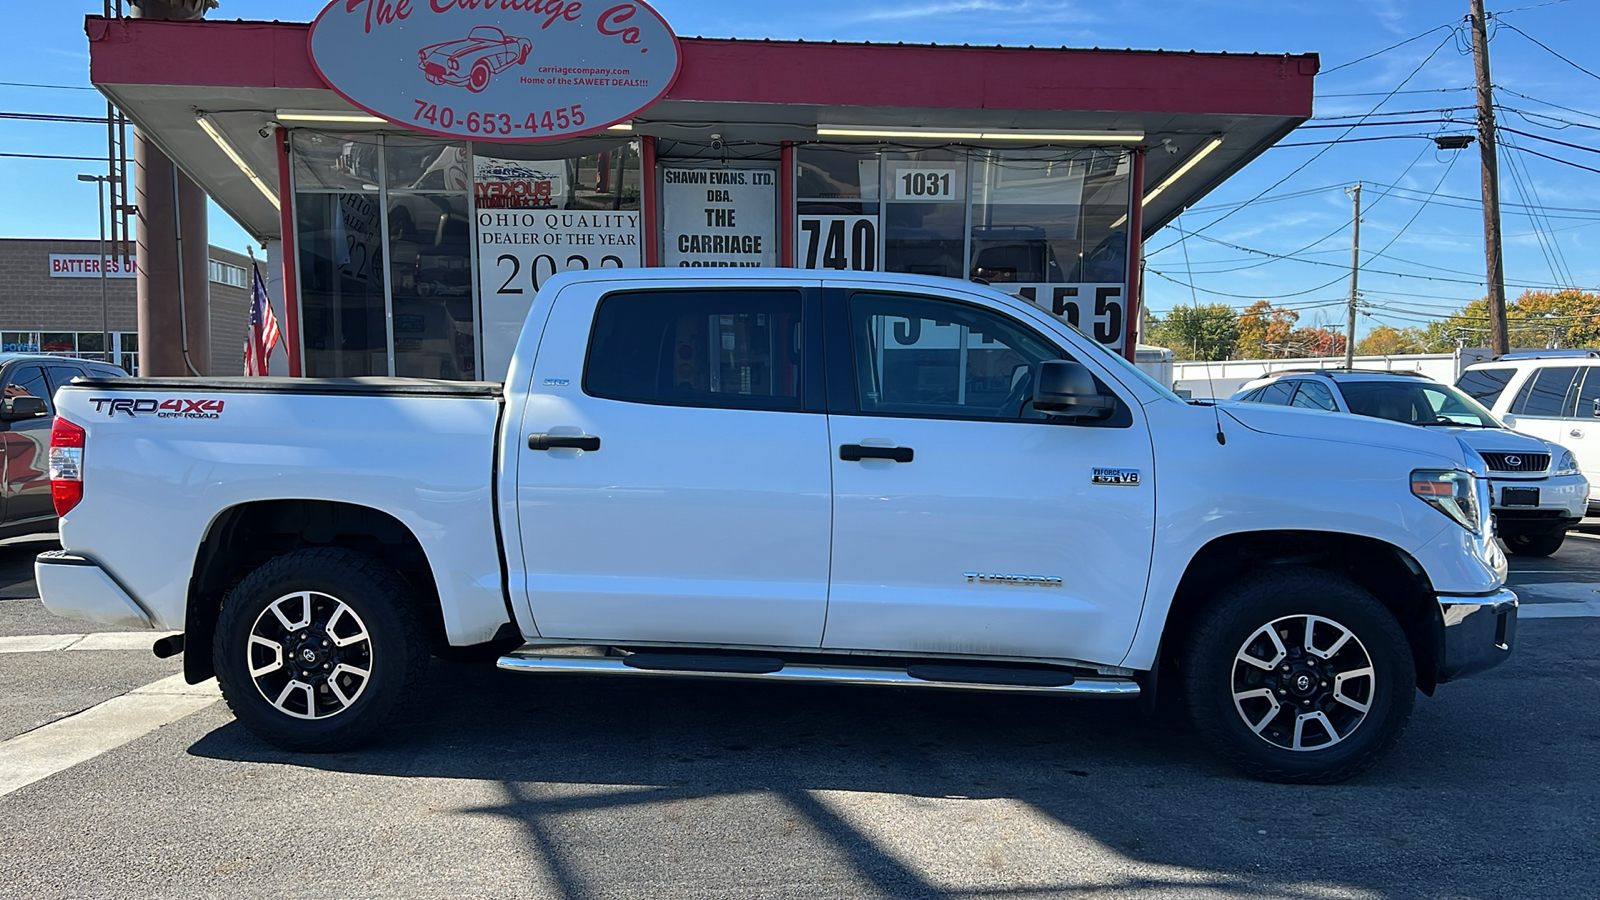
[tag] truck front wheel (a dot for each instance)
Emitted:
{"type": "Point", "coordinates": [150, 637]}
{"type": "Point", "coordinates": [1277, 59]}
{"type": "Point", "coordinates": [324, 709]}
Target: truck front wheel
{"type": "Point", "coordinates": [1298, 675]}
{"type": "Point", "coordinates": [318, 648]}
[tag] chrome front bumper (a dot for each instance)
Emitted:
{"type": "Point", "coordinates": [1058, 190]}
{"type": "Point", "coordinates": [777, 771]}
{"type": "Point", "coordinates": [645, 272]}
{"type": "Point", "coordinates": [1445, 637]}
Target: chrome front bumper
{"type": "Point", "coordinates": [1477, 632]}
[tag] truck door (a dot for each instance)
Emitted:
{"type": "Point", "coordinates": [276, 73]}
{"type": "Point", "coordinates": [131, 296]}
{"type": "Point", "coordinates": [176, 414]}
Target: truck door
{"type": "Point", "coordinates": [964, 522]}
{"type": "Point", "coordinates": [673, 483]}
{"type": "Point", "coordinates": [27, 448]}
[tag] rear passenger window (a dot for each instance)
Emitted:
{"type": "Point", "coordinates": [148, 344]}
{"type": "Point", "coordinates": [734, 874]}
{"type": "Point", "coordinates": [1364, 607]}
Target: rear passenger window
{"type": "Point", "coordinates": [1589, 394]}
{"type": "Point", "coordinates": [736, 349]}
{"type": "Point", "coordinates": [1312, 395]}
{"type": "Point", "coordinates": [1547, 393]}
{"type": "Point", "coordinates": [1277, 393]}
{"type": "Point", "coordinates": [1485, 385]}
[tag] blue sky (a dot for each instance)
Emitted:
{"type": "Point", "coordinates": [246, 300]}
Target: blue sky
{"type": "Point", "coordinates": [1439, 245]}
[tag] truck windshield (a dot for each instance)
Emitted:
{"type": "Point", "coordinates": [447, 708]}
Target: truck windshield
{"type": "Point", "coordinates": [1416, 403]}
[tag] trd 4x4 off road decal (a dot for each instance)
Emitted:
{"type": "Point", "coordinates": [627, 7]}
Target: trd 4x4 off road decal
{"type": "Point", "coordinates": [175, 408]}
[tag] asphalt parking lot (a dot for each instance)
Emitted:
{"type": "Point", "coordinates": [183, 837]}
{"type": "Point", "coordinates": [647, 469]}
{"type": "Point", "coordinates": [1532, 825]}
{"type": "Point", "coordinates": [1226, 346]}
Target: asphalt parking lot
{"type": "Point", "coordinates": [508, 784]}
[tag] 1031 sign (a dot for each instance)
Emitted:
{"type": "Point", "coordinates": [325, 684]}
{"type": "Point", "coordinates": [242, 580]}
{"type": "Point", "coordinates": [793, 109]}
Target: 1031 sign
{"type": "Point", "coordinates": [838, 242]}
{"type": "Point", "coordinates": [1094, 309]}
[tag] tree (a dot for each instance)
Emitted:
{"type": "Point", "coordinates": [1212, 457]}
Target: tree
{"type": "Point", "coordinates": [1198, 332]}
{"type": "Point", "coordinates": [1264, 331]}
{"type": "Point", "coordinates": [1386, 340]}
{"type": "Point", "coordinates": [1535, 319]}
{"type": "Point", "coordinates": [1316, 342]}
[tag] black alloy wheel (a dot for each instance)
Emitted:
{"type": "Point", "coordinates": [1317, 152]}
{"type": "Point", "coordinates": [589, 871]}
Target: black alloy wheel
{"type": "Point", "coordinates": [317, 649]}
{"type": "Point", "coordinates": [1298, 675]}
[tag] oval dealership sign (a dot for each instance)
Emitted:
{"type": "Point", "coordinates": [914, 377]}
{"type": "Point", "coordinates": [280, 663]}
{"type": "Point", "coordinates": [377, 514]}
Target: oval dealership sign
{"type": "Point", "coordinates": [496, 70]}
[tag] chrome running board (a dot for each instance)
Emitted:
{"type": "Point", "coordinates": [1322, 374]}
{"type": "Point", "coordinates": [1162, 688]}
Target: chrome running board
{"type": "Point", "coordinates": [1080, 685]}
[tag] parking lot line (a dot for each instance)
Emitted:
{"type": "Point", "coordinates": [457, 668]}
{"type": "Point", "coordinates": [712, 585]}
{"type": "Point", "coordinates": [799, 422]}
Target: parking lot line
{"type": "Point", "coordinates": [102, 640]}
{"type": "Point", "coordinates": [60, 745]}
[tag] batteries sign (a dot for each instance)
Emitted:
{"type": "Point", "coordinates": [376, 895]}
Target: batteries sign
{"type": "Point", "coordinates": [1097, 310]}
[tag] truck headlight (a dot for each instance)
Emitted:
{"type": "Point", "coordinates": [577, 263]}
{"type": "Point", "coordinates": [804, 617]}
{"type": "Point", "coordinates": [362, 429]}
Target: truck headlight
{"type": "Point", "coordinates": [1451, 492]}
{"type": "Point", "coordinates": [1568, 464]}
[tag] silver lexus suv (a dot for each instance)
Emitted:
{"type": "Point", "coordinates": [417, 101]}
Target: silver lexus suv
{"type": "Point", "coordinates": [1536, 487]}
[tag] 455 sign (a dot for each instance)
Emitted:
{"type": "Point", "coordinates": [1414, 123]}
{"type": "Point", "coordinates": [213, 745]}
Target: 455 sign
{"type": "Point", "coordinates": [1097, 310]}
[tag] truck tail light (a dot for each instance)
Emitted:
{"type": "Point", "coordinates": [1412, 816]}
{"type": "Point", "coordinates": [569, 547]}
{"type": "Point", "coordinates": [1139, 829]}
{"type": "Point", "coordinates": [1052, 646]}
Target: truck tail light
{"type": "Point", "coordinates": [66, 464]}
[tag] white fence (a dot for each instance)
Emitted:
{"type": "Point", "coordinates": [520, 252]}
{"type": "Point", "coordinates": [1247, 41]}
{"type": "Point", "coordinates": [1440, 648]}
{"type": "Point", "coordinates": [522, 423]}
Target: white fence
{"type": "Point", "coordinates": [1205, 380]}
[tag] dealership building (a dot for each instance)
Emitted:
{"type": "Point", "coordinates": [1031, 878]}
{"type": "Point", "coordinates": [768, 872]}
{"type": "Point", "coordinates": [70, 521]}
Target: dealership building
{"type": "Point", "coordinates": [415, 170]}
{"type": "Point", "coordinates": [51, 302]}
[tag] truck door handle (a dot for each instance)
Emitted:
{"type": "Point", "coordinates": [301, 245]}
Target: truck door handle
{"type": "Point", "coordinates": [1575, 433]}
{"type": "Point", "coordinates": [563, 442]}
{"type": "Point", "coordinates": [856, 453]}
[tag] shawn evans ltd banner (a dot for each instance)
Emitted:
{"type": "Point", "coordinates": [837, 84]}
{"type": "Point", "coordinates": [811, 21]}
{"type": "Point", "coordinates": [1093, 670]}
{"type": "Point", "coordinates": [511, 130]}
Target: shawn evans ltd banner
{"type": "Point", "coordinates": [496, 70]}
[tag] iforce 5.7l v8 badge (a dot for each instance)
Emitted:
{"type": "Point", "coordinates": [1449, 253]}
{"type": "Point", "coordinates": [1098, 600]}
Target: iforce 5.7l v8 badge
{"type": "Point", "coordinates": [1127, 477]}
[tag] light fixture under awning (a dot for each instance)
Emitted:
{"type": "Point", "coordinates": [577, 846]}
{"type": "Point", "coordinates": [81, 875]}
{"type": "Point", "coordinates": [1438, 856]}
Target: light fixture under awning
{"type": "Point", "coordinates": [926, 134]}
{"type": "Point", "coordinates": [233, 154]}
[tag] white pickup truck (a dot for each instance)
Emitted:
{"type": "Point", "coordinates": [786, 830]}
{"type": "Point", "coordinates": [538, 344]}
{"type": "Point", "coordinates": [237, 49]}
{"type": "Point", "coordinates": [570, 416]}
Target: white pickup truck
{"type": "Point", "coordinates": [789, 476]}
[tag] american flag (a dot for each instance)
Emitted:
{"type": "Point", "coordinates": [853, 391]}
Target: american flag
{"type": "Point", "coordinates": [263, 334]}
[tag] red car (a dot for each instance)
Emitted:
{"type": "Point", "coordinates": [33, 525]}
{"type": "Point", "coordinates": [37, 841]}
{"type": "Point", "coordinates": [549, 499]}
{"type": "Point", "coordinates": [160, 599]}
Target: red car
{"type": "Point", "coordinates": [471, 61]}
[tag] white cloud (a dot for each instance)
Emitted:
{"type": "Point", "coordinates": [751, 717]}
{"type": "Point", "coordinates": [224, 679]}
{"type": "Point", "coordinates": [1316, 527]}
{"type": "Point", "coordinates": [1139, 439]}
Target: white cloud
{"type": "Point", "coordinates": [1037, 11]}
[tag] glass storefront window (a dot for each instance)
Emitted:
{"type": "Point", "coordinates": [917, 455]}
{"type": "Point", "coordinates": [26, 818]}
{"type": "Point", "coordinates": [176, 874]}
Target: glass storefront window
{"type": "Point", "coordinates": [340, 243]}
{"type": "Point", "coordinates": [58, 342]}
{"type": "Point", "coordinates": [430, 283]}
{"type": "Point", "coordinates": [19, 342]}
{"type": "Point", "coordinates": [925, 212]}
{"type": "Point", "coordinates": [421, 164]}
{"type": "Point", "coordinates": [335, 162]}
{"type": "Point", "coordinates": [1046, 217]}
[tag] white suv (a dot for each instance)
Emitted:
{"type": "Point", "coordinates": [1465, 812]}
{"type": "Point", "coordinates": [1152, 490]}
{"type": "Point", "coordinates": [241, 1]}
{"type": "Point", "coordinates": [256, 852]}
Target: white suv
{"type": "Point", "coordinates": [1537, 490]}
{"type": "Point", "coordinates": [1550, 394]}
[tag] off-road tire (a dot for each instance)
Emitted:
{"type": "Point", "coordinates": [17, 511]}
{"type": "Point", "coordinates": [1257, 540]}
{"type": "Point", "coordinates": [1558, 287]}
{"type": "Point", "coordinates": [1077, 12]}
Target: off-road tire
{"type": "Point", "coordinates": [1212, 663]}
{"type": "Point", "coordinates": [1536, 544]}
{"type": "Point", "coordinates": [385, 607]}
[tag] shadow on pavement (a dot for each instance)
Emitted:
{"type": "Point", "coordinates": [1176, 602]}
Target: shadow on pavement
{"type": "Point", "coordinates": [889, 780]}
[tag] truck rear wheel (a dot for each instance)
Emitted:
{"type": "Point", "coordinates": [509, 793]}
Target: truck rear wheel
{"type": "Point", "coordinates": [317, 649]}
{"type": "Point", "coordinates": [1298, 675]}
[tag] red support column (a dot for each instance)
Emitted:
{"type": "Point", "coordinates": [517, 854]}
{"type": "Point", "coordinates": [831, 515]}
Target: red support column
{"type": "Point", "coordinates": [648, 201]}
{"type": "Point", "coordinates": [1130, 340]}
{"type": "Point", "coordinates": [786, 205]}
{"type": "Point", "coordinates": [291, 249]}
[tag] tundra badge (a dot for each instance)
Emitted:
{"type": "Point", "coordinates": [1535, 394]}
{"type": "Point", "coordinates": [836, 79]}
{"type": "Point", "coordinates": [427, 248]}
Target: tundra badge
{"type": "Point", "coordinates": [1128, 477]}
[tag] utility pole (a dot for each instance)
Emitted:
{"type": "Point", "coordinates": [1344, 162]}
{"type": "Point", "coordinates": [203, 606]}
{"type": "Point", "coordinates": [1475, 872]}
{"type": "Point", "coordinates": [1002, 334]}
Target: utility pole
{"type": "Point", "coordinates": [1491, 183]}
{"type": "Point", "coordinates": [1355, 269]}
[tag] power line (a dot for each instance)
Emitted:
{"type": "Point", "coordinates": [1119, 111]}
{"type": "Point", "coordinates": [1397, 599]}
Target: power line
{"type": "Point", "coordinates": [51, 117]}
{"type": "Point", "coordinates": [1550, 51]}
{"type": "Point", "coordinates": [1382, 93]}
{"type": "Point", "coordinates": [1565, 162]}
{"type": "Point", "coordinates": [1549, 140]}
{"type": "Point", "coordinates": [1318, 155]}
{"type": "Point", "coordinates": [53, 87]}
{"type": "Point", "coordinates": [1569, 109]}
{"type": "Point", "coordinates": [52, 156]}
{"type": "Point", "coordinates": [1408, 40]}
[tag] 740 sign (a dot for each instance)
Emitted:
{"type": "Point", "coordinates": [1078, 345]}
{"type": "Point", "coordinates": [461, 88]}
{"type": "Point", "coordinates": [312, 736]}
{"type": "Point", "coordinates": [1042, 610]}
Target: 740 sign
{"type": "Point", "coordinates": [838, 242]}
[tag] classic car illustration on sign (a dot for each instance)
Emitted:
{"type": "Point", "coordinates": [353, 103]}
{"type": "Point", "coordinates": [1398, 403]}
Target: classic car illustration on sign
{"type": "Point", "coordinates": [471, 61]}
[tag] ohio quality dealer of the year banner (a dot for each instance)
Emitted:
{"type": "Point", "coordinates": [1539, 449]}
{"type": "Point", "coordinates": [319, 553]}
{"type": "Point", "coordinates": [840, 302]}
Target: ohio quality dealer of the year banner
{"type": "Point", "coordinates": [526, 233]}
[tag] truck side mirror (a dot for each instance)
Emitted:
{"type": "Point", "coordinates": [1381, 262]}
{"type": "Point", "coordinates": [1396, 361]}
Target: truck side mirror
{"type": "Point", "coordinates": [14, 408]}
{"type": "Point", "coordinates": [1068, 389]}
